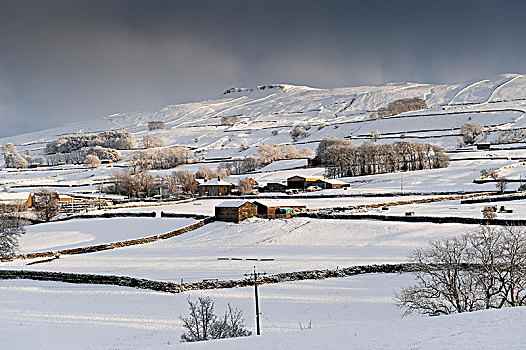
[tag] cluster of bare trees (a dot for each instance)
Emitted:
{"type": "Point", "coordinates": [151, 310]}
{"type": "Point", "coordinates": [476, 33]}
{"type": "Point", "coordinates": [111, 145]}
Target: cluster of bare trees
{"type": "Point", "coordinates": [142, 184]}
{"type": "Point", "coordinates": [150, 141]}
{"type": "Point", "coordinates": [107, 139]}
{"type": "Point", "coordinates": [159, 158]}
{"type": "Point", "coordinates": [12, 159]}
{"type": "Point", "coordinates": [400, 106]}
{"type": "Point", "coordinates": [266, 154]}
{"type": "Point", "coordinates": [203, 324]}
{"type": "Point", "coordinates": [484, 269]}
{"type": "Point", "coordinates": [341, 158]}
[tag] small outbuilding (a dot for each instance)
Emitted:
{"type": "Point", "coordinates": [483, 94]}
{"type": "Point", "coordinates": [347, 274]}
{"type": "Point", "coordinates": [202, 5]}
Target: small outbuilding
{"type": "Point", "coordinates": [270, 210]}
{"type": "Point", "coordinates": [235, 211]}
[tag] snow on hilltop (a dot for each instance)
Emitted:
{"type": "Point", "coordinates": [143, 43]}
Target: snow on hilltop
{"type": "Point", "coordinates": [267, 114]}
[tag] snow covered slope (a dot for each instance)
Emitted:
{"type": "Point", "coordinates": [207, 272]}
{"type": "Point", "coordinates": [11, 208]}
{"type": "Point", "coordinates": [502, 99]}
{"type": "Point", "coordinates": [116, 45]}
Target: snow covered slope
{"type": "Point", "coordinates": [268, 113]}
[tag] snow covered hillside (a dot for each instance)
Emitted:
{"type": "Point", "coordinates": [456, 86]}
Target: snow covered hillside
{"type": "Point", "coordinates": [267, 114]}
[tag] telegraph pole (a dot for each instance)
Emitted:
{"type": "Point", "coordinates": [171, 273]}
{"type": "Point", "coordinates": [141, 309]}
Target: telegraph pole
{"type": "Point", "coordinates": [256, 275]}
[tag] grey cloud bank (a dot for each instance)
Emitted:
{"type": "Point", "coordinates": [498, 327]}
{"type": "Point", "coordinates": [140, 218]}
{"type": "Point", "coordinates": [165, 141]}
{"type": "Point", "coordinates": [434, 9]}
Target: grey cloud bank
{"type": "Point", "coordinates": [64, 61]}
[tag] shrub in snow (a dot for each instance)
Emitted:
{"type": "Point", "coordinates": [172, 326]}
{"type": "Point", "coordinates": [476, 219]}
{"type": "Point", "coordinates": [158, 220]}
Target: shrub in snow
{"type": "Point", "coordinates": [202, 324]}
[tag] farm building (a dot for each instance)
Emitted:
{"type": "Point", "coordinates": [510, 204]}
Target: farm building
{"type": "Point", "coordinates": [274, 187]}
{"type": "Point", "coordinates": [215, 187]}
{"type": "Point", "coordinates": [301, 182]}
{"type": "Point", "coordinates": [330, 183]}
{"type": "Point", "coordinates": [271, 210]}
{"type": "Point", "coordinates": [235, 211]}
{"type": "Point", "coordinates": [13, 200]}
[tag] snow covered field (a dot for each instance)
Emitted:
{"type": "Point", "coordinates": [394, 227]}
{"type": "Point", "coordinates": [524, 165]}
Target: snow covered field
{"type": "Point", "coordinates": [294, 244]}
{"type": "Point", "coordinates": [353, 312]}
{"type": "Point", "coordinates": [85, 232]}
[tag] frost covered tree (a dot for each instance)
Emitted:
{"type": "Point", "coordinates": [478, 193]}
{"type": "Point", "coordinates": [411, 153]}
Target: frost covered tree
{"type": "Point", "coordinates": [470, 131]}
{"type": "Point", "coordinates": [10, 230]}
{"type": "Point", "coordinates": [186, 180]}
{"type": "Point", "coordinates": [46, 204]}
{"type": "Point", "coordinates": [92, 160]}
{"type": "Point", "coordinates": [204, 172]}
{"type": "Point", "coordinates": [150, 141]}
{"type": "Point", "coordinates": [244, 185]}
{"type": "Point", "coordinates": [202, 323]}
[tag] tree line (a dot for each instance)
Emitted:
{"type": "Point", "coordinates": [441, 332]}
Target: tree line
{"type": "Point", "coordinates": [340, 158]}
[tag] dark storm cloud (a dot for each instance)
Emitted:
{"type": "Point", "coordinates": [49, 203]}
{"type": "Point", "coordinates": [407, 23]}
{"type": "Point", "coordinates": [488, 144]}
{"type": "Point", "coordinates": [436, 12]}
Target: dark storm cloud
{"type": "Point", "coordinates": [69, 60]}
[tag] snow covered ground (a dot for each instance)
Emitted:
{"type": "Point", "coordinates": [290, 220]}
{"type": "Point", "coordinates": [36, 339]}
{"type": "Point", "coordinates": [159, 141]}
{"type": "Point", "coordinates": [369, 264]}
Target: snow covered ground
{"type": "Point", "coordinates": [85, 232]}
{"type": "Point", "coordinates": [353, 312]}
{"type": "Point", "coordinates": [293, 244]}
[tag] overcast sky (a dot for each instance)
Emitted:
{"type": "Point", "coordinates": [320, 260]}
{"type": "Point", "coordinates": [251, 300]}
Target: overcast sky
{"type": "Point", "coordinates": [63, 61]}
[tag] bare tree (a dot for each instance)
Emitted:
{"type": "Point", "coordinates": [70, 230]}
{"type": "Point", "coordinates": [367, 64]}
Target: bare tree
{"type": "Point", "coordinates": [46, 204]}
{"type": "Point", "coordinates": [204, 172]}
{"type": "Point", "coordinates": [481, 270]}
{"type": "Point", "coordinates": [10, 231]}
{"type": "Point", "coordinates": [186, 180]}
{"type": "Point", "coordinates": [222, 173]}
{"type": "Point", "coordinates": [244, 185]}
{"type": "Point", "coordinates": [202, 324]}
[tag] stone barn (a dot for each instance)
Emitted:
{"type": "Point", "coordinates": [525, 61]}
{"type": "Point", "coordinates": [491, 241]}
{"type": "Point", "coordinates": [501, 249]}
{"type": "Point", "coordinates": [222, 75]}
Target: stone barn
{"type": "Point", "coordinates": [235, 211]}
{"type": "Point", "coordinates": [215, 187]}
{"type": "Point", "coordinates": [301, 182]}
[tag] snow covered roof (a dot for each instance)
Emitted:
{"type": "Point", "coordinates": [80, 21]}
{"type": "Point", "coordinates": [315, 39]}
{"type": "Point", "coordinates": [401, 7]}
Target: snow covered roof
{"type": "Point", "coordinates": [231, 204]}
{"type": "Point", "coordinates": [334, 181]}
{"type": "Point", "coordinates": [216, 182]}
{"type": "Point", "coordinates": [9, 197]}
